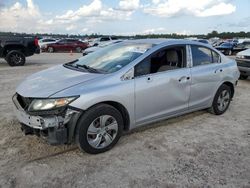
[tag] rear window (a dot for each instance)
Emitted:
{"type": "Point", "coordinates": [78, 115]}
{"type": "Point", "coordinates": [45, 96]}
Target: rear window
{"type": "Point", "coordinates": [216, 57]}
{"type": "Point", "coordinates": [201, 56]}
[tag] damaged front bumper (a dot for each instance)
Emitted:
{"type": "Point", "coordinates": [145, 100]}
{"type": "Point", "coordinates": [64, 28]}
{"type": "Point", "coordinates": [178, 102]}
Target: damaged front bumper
{"type": "Point", "coordinates": [54, 128]}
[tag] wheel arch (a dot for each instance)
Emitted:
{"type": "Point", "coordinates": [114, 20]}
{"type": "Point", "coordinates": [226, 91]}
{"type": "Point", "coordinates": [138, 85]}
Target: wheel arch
{"type": "Point", "coordinates": [9, 48]}
{"type": "Point", "coordinates": [121, 108]}
{"type": "Point", "coordinates": [116, 105]}
{"type": "Point", "coordinates": [231, 85]}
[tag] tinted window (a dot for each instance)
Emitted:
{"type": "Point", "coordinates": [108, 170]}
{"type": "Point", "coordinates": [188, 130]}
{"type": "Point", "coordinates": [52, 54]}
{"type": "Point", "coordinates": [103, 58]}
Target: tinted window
{"type": "Point", "coordinates": [105, 39]}
{"type": "Point", "coordinates": [71, 41]}
{"type": "Point", "coordinates": [164, 60]}
{"type": "Point", "coordinates": [227, 44]}
{"type": "Point", "coordinates": [48, 40]}
{"type": "Point", "coordinates": [201, 55]}
{"type": "Point", "coordinates": [62, 41]}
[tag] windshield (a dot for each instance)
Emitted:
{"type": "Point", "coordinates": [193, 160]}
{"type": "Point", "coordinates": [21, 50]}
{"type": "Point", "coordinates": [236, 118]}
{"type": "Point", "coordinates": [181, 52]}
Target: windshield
{"type": "Point", "coordinates": [112, 58]}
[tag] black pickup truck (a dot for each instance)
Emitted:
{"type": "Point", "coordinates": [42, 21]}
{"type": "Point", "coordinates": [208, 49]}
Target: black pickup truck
{"type": "Point", "coordinates": [14, 49]}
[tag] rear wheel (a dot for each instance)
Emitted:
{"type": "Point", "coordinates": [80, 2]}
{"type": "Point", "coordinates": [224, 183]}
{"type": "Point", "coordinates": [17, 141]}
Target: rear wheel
{"type": "Point", "coordinates": [221, 100]}
{"type": "Point", "coordinates": [99, 129]}
{"type": "Point", "coordinates": [15, 58]}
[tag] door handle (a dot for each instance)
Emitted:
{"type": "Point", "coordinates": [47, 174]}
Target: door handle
{"type": "Point", "coordinates": [184, 77]}
{"type": "Point", "coordinates": [218, 70]}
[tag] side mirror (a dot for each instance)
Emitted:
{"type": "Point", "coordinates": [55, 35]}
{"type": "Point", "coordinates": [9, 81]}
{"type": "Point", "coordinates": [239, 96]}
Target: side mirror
{"type": "Point", "coordinates": [129, 75]}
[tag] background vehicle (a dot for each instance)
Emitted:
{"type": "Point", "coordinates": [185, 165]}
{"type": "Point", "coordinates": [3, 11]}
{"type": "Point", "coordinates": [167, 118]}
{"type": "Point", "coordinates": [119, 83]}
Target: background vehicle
{"type": "Point", "coordinates": [226, 48]}
{"type": "Point", "coordinates": [241, 46]}
{"type": "Point", "coordinates": [243, 62]}
{"type": "Point", "coordinates": [202, 41]}
{"type": "Point", "coordinates": [43, 42]}
{"type": "Point", "coordinates": [15, 49]}
{"type": "Point", "coordinates": [66, 45]}
{"type": "Point", "coordinates": [94, 48]}
{"type": "Point", "coordinates": [102, 40]}
{"type": "Point", "coordinates": [120, 87]}
{"type": "Point", "coordinates": [233, 41]}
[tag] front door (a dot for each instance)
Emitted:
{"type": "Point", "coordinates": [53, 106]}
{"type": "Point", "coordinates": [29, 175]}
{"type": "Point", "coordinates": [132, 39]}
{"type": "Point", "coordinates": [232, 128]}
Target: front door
{"type": "Point", "coordinates": [162, 85]}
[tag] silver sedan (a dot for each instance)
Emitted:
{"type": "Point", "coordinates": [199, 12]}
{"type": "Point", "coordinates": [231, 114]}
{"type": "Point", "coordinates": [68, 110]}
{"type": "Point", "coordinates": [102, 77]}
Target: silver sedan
{"type": "Point", "coordinates": [93, 100]}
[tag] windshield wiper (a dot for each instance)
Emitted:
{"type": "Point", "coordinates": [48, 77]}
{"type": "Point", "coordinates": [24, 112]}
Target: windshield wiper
{"type": "Point", "coordinates": [71, 63]}
{"type": "Point", "coordinates": [87, 68]}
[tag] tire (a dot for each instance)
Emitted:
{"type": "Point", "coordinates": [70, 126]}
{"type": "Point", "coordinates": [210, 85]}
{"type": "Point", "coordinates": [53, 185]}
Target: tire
{"type": "Point", "coordinates": [243, 77]}
{"type": "Point", "coordinates": [78, 49]}
{"type": "Point", "coordinates": [51, 49]}
{"type": "Point", "coordinates": [221, 100]}
{"type": "Point", "coordinates": [15, 58]}
{"type": "Point", "coordinates": [93, 139]}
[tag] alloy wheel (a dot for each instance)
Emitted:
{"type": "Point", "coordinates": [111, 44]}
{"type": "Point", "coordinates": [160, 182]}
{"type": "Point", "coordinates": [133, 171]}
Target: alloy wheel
{"type": "Point", "coordinates": [223, 100]}
{"type": "Point", "coordinates": [102, 131]}
{"type": "Point", "coordinates": [16, 58]}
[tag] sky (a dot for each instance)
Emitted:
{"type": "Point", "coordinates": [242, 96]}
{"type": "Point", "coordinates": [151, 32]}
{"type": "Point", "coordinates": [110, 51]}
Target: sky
{"type": "Point", "coordinates": [124, 17]}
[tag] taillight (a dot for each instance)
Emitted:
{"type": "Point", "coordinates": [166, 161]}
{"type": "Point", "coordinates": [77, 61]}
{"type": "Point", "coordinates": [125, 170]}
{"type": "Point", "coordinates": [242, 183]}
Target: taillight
{"type": "Point", "coordinates": [36, 42]}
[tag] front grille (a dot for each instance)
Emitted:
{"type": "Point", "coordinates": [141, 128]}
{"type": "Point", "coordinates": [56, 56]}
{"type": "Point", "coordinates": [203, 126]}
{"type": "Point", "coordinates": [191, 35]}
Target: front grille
{"type": "Point", "coordinates": [23, 101]}
{"type": "Point", "coordinates": [247, 57]}
{"type": "Point", "coordinates": [243, 64]}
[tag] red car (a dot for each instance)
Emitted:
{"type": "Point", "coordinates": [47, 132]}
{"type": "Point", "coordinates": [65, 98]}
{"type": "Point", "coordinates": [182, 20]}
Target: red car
{"type": "Point", "coordinates": [66, 45]}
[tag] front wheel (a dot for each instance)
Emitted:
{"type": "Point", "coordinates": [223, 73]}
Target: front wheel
{"type": "Point", "coordinates": [99, 129]}
{"type": "Point", "coordinates": [221, 100]}
{"type": "Point", "coordinates": [15, 58]}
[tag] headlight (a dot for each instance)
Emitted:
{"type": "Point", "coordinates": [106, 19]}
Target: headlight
{"type": "Point", "coordinates": [240, 56]}
{"type": "Point", "coordinates": [48, 104]}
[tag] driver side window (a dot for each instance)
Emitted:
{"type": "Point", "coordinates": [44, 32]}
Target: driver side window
{"type": "Point", "coordinates": [163, 60]}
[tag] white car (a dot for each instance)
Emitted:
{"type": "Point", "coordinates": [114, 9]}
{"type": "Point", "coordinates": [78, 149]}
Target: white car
{"type": "Point", "coordinates": [243, 62]}
{"type": "Point", "coordinates": [101, 40]}
{"type": "Point", "coordinates": [94, 48]}
{"type": "Point", "coordinates": [43, 42]}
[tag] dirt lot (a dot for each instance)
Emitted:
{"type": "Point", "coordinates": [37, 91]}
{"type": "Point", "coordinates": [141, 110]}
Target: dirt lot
{"type": "Point", "coordinates": [195, 150]}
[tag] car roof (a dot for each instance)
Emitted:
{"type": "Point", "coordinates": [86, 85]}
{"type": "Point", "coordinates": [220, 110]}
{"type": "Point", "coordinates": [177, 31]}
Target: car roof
{"type": "Point", "coordinates": [166, 41]}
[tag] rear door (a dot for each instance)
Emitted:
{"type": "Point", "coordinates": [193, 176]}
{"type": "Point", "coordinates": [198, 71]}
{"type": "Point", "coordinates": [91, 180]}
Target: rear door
{"type": "Point", "coordinates": [206, 73]}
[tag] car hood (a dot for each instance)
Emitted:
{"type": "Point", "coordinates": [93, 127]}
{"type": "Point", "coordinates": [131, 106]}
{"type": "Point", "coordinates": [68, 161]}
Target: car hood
{"type": "Point", "coordinates": [48, 82]}
{"type": "Point", "coordinates": [245, 52]}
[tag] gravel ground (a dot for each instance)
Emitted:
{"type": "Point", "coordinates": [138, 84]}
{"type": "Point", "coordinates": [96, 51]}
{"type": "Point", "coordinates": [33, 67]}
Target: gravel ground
{"type": "Point", "coordinates": [195, 150]}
